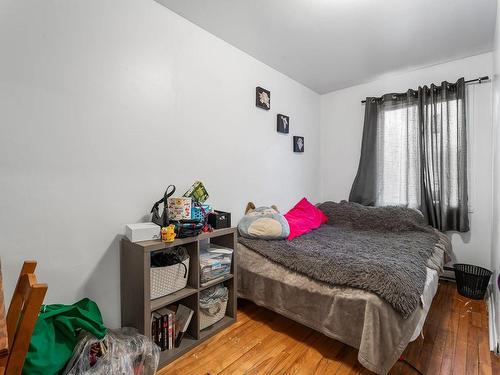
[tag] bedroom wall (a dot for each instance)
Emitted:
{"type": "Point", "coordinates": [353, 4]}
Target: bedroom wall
{"type": "Point", "coordinates": [341, 130]}
{"type": "Point", "coordinates": [106, 102]}
{"type": "Point", "coordinates": [495, 249]}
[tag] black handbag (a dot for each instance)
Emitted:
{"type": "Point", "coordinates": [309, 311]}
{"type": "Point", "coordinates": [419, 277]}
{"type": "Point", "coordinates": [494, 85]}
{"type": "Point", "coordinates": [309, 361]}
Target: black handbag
{"type": "Point", "coordinates": [170, 257]}
{"type": "Point", "coordinates": [162, 220]}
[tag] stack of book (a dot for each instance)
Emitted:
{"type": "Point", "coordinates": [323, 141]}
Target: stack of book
{"type": "Point", "coordinates": [169, 324]}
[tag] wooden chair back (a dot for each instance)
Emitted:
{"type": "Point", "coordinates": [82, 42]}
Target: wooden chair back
{"type": "Point", "coordinates": [22, 316]}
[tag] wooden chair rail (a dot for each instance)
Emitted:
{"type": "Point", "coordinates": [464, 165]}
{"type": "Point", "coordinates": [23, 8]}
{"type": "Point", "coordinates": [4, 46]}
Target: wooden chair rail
{"type": "Point", "coordinates": [21, 318]}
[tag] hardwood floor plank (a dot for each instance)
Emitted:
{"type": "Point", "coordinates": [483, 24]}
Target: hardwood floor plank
{"type": "Point", "coordinates": [305, 356]}
{"type": "Point", "coordinates": [472, 359]}
{"type": "Point", "coordinates": [495, 364]}
{"type": "Point", "coordinates": [436, 357]}
{"type": "Point", "coordinates": [447, 364]}
{"type": "Point", "coordinates": [329, 364]}
{"type": "Point", "coordinates": [460, 354]}
{"type": "Point", "coordinates": [271, 345]}
{"type": "Point", "coordinates": [262, 342]}
{"type": "Point", "coordinates": [348, 361]}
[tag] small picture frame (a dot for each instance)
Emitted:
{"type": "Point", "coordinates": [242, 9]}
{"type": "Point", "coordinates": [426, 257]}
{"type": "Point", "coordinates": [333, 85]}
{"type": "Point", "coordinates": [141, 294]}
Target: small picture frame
{"type": "Point", "coordinates": [298, 144]}
{"type": "Point", "coordinates": [263, 98]}
{"type": "Point", "coordinates": [283, 123]}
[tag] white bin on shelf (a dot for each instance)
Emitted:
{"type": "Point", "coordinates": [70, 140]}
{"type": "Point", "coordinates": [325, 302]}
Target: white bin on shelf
{"type": "Point", "coordinates": [170, 279]}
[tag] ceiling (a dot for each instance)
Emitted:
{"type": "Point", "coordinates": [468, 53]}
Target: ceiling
{"type": "Point", "coordinates": [331, 44]}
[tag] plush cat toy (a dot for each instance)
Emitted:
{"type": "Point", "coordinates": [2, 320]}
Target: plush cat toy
{"type": "Point", "coordinates": [263, 223]}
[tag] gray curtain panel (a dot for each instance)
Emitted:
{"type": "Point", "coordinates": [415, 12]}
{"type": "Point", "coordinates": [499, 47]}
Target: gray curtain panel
{"type": "Point", "coordinates": [414, 154]}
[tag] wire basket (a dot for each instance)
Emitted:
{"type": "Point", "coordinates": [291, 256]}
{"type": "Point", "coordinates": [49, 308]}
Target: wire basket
{"type": "Point", "coordinates": [472, 281]}
{"type": "Point", "coordinates": [170, 279]}
{"type": "Point", "coordinates": [199, 212]}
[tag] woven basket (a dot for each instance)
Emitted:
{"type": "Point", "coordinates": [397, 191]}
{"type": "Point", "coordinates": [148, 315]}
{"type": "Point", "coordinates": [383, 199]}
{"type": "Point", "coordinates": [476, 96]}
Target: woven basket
{"type": "Point", "coordinates": [167, 280]}
{"type": "Point", "coordinates": [472, 281]}
{"type": "Point", "coordinates": [207, 320]}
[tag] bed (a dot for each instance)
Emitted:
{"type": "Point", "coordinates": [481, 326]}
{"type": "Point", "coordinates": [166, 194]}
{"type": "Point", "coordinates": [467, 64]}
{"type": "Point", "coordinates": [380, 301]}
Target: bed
{"type": "Point", "coordinates": [360, 318]}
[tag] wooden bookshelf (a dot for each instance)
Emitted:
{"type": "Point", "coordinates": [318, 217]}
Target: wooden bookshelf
{"type": "Point", "coordinates": [137, 306]}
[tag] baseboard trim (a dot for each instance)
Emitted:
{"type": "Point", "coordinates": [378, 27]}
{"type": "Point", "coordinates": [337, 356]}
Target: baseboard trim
{"type": "Point", "coordinates": [494, 343]}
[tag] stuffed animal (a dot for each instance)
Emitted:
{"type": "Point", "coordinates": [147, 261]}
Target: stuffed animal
{"type": "Point", "coordinates": [263, 223]}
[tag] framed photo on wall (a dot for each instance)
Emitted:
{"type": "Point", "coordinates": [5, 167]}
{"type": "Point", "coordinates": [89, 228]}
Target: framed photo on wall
{"type": "Point", "coordinates": [283, 123]}
{"type": "Point", "coordinates": [263, 98]}
{"type": "Point", "coordinates": [298, 144]}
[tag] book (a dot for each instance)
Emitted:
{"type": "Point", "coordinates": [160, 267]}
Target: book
{"type": "Point", "coordinates": [197, 192]}
{"type": "Point", "coordinates": [155, 328]}
{"type": "Point", "coordinates": [164, 328]}
{"type": "Point", "coordinates": [175, 329]}
{"type": "Point", "coordinates": [171, 325]}
{"type": "Point", "coordinates": [183, 317]}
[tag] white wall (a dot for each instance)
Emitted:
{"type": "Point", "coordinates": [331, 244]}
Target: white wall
{"type": "Point", "coordinates": [495, 249]}
{"type": "Point", "coordinates": [103, 103]}
{"type": "Point", "coordinates": [341, 130]}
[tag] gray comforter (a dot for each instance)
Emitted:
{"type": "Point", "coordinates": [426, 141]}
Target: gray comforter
{"type": "Point", "coordinates": [380, 250]}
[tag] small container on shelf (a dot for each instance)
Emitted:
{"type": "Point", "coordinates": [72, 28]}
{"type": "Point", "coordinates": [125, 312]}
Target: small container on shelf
{"type": "Point", "coordinates": [169, 271]}
{"type": "Point", "coordinates": [219, 219]}
{"type": "Point", "coordinates": [215, 263]}
{"type": "Point", "coordinates": [213, 304]}
{"type": "Point", "coordinates": [199, 212]}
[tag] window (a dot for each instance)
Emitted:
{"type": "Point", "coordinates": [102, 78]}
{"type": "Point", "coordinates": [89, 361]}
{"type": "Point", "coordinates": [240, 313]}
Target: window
{"type": "Point", "coordinates": [399, 155]}
{"type": "Point", "coordinates": [414, 154]}
{"type": "Point", "coordinates": [398, 158]}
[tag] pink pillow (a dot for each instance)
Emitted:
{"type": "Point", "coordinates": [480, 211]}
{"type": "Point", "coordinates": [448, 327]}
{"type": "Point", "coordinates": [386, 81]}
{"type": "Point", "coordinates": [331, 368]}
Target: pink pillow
{"type": "Point", "coordinates": [303, 218]}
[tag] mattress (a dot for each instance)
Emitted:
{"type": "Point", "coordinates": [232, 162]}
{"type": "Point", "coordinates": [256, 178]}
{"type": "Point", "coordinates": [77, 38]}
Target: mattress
{"type": "Point", "coordinates": [374, 327]}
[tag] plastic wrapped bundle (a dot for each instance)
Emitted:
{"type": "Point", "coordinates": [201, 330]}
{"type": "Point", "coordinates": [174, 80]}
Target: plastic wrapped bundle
{"type": "Point", "coordinates": [122, 351]}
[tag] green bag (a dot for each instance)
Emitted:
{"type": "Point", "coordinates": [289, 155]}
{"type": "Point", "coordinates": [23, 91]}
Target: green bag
{"type": "Point", "coordinates": [56, 335]}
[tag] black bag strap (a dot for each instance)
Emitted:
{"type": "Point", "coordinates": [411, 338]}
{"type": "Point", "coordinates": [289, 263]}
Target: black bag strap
{"type": "Point", "coordinates": [185, 269]}
{"type": "Point", "coordinates": [167, 195]}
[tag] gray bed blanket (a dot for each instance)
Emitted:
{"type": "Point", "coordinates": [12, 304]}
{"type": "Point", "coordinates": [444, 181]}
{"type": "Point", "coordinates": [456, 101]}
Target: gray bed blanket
{"type": "Point", "coordinates": [383, 250]}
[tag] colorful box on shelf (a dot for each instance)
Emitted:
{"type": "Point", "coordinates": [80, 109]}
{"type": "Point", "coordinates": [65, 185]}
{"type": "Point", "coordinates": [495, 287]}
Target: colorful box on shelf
{"type": "Point", "coordinates": [179, 208]}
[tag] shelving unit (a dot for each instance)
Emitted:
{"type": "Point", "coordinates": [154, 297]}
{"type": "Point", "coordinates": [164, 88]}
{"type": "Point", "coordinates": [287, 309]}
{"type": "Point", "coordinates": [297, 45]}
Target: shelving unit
{"type": "Point", "coordinates": [137, 306]}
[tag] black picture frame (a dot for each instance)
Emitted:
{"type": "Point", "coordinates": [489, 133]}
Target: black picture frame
{"type": "Point", "coordinates": [298, 143]}
{"type": "Point", "coordinates": [282, 123]}
{"type": "Point", "coordinates": [262, 98]}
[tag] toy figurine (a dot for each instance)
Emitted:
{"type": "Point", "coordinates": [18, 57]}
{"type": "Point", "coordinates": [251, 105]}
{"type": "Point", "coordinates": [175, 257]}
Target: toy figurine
{"type": "Point", "coordinates": [168, 233]}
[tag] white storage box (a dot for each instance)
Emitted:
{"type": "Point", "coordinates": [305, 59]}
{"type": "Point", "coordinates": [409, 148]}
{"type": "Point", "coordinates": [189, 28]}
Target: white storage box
{"type": "Point", "coordinates": [142, 232]}
{"type": "Point", "coordinates": [213, 305]}
{"type": "Point", "coordinates": [170, 279]}
{"type": "Point", "coordinates": [215, 263]}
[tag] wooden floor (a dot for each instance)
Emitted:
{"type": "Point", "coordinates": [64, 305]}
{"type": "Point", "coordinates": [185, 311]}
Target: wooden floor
{"type": "Point", "coordinates": [262, 342]}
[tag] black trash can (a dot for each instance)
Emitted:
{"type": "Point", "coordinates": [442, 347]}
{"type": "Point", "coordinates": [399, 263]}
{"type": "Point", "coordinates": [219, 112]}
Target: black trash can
{"type": "Point", "coordinates": [472, 281]}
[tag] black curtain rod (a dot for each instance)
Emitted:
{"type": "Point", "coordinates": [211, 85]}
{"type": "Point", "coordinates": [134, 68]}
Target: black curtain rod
{"type": "Point", "coordinates": [478, 80]}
